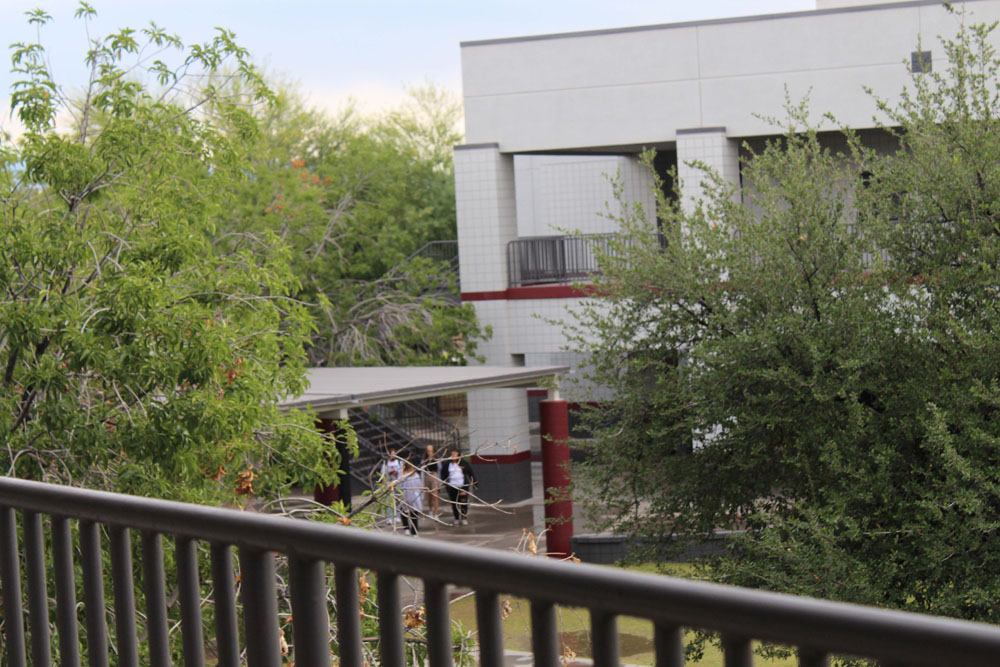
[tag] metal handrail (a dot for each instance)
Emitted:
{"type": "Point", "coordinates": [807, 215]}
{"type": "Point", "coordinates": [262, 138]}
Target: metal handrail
{"type": "Point", "coordinates": [817, 627]}
{"type": "Point", "coordinates": [535, 260]}
{"type": "Point", "coordinates": [425, 425]}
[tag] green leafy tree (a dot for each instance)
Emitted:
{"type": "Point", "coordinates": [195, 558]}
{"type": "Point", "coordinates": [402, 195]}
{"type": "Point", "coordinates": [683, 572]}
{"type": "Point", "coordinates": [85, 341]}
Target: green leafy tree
{"type": "Point", "coordinates": [819, 364]}
{"type": "Point", "coordinates": [134, 354]}
{"type": "Point", "coordinates": [354, 198]}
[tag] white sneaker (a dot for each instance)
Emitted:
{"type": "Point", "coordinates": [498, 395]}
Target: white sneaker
{"type": "Point", "coordinates": [465, 522]}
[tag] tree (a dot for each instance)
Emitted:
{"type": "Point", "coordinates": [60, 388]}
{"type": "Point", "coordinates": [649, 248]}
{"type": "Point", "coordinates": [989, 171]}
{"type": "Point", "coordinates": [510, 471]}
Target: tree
{"type": "Point", "coordinates": [145, 341]}
{"type": "Point", "coordinates": [819, 365]}
{"type": "Point", "coordinates": [135, 355]}
{"type": "Point", "coordinates": [355, 198]}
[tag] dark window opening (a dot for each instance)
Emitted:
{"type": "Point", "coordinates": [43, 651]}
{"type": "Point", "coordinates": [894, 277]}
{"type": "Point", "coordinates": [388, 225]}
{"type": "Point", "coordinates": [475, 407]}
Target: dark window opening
{"type": "Point", "coordinates": [920, 62]}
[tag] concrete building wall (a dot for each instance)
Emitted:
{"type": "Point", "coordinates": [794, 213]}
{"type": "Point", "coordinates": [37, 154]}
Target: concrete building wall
{"type": "Point", "coordinates": [637, 86]}
{"type": "Point", "coordinates": [550, 117]}
{"type": "Point", "coordinates": [485, 206]}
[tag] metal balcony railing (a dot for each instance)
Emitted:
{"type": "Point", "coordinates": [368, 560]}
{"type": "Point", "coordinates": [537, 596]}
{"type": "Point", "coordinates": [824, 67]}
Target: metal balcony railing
{"type": "Point", "coordinates": [816, 627]}
{"type": "Point", "coordinates": [557, 259]}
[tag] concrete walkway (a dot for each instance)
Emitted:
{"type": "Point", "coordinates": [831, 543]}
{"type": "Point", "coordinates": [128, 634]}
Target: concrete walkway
{"type": "Point", "coordinates": [501, 527]}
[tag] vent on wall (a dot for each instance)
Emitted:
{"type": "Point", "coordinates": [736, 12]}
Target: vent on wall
{"type": "Point", "coordinates": [920, 62]}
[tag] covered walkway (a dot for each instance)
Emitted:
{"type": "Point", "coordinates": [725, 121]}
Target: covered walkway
{"type": "Point", "coordinates": [334, 391]}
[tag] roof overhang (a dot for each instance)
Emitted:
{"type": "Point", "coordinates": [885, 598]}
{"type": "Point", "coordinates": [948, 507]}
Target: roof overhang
{"type": "Point", "coordinates": [334, 389]}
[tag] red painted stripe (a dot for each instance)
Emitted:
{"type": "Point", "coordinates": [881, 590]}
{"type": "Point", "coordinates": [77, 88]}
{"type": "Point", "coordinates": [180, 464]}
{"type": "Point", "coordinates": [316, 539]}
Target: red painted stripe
{"type": "Point", "coordinates": [538, 392]}
{"type": "Point", "coordinates": [532, 292]}
{"type": "Point", "coordinates": [501, 459]}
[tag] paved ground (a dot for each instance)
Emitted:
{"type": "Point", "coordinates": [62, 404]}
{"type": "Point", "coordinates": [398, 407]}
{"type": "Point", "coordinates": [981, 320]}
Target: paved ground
{"type": "Point", "coordinates": [500, 527]}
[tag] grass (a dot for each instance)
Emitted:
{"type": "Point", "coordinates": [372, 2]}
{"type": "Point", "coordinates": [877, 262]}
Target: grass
{"type": "Point", "coordinates": [635, 635]}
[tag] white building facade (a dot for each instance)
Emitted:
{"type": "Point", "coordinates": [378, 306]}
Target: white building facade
{"type": "Point", "coordinates": [550, 119]}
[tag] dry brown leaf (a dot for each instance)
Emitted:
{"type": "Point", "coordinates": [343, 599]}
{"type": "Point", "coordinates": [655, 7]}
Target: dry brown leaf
{"type": "Point", "coordinates": [413, 617]}
{"type": "Point", "coordinates": [244, 481]}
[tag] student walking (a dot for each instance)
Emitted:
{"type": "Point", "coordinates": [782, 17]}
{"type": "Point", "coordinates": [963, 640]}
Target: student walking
{"type": "Point", "coordinates": [430, 465]}
{"type": "Point", "coordinates": [460, 480]}
{"type": "Point", "coordinates": [412, 485]}
{"type": "Point", "coordinates": [389, 474]}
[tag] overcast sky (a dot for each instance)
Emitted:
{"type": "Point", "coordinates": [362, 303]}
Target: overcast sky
{"type": "Point", "coordinates": [333, 50]}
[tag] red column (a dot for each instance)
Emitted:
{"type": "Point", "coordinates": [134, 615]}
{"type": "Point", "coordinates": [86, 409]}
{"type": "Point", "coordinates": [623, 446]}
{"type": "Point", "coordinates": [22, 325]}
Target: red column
{"type": "Point", "coordinates": [331, 493]}
{"type": "Point", "coordinates": [554, 416]}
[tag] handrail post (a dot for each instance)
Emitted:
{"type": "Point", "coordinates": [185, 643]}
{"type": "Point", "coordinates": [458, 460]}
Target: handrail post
{"type": "Point", "coordinates": [227, 639]}
{"type": "Point", "coordinates": [310, 620]}
{"type": "Point", "coordinates": [156, 600]}
{"type": "Point", "coordinates": [38, 599]}
{"type": "Point", "coordinates": [348, 616]}
{"type": "Point", "coordinates": [124, 594]}
{"type": "Point", "coordinates": [10, 575]}
{"type": "Point", "coordinates": [93, 594]}
{"type": "Point", "coordinates": [189, 586]}
{"type": "Point", "coordinates": [260, 608]}
{"type": "Point", "coordinates": [65, 583]}
{"type": "Point", "coordinates": [490, 629]}
{"type": "Point", "coordinates": [390, 622]}
{"type": "Point", "coordinates": [439, 647]}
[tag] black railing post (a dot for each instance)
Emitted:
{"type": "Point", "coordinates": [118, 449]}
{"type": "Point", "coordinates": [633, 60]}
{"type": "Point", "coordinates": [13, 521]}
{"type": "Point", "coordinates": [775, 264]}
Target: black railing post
{"type": "Point", "coordinates": [10, 576]}
{"type": "Point", "coordinates": [737, 651]}
{"type": "Point", "coordinates": [438, 628]}
{"type": "Point", "coordinates": [813, 658]}
{"type": "Point", "coordinates": [310, 620]}
{"type": "Point", "coordinates": [156, 599]}
{"type": "Point", "coordinates": [38, 599]}
{"type": "Point", "coordinates": [669, 644]}
{"type": "Point", "coordinates": [65, 584]}
{"type": "Point", "coordinates": [260, 608]}
{"type": "Point", "coordinates": [93, 594]}
{"type": "Point", "coordinates": [544, 634]}
{"type": "Point", "coordinates": [348, 616]}
{"type": "Point", "coordinates": [604, 638]}
{"type": "Point", "coordinates": [124, 594]}
{"type": "Point", "coordinates": [490, 629]}
{"type": "Point", "coordinates": [390, 621]}
{"type": "Point", "coordinates": [227, 640]}
{"type": "Point", "coordinates": [189, 588]}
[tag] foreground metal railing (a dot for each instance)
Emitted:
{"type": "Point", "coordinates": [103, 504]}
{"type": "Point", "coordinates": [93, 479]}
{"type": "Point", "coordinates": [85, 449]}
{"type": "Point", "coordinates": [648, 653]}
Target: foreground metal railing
{"type": "Point", "coordinates": [815, 627]}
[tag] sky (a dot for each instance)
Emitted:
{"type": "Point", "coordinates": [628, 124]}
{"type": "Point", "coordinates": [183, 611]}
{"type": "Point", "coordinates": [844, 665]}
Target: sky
{"type": "Point", "coordinates": [333, 51]}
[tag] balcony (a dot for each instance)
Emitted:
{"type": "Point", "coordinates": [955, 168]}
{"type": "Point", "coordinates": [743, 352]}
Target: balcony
{"type": "Point", "coordinates": [302, 555]}
{"type": "Point", "coordinates": [540, 260]}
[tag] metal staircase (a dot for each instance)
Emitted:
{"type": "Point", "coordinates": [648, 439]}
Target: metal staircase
{"type": "Point", "coordinates": [408, 427]}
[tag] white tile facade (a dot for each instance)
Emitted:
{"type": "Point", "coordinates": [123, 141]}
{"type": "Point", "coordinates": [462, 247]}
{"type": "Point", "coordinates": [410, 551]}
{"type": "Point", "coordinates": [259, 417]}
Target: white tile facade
{"type": "Point", "coordinates": [484, 199]}
{"type": "Point", "coordinates": [709, 148]}
{"type": "Point", "coordinates": [560, 194]}
{"type": "Point", "coordinates": [498, 422]}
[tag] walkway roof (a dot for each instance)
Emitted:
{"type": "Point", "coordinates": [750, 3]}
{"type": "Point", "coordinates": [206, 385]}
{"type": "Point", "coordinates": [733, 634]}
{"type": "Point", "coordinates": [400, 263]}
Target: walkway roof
{"type": "Point", "coordinates": [333, 389]}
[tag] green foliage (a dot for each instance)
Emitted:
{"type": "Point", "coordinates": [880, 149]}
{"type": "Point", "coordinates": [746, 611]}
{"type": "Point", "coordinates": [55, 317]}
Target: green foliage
{"type": "Point", "coordinates": [135, 354]}
{"type": "Point", "coordinates": [818, 364]}
{"type": "Point", "coordinates": [354, 198]}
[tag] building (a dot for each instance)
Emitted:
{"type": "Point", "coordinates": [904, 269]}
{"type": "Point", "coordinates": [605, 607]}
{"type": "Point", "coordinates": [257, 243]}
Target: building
{"type": "Point", "coordinates": [550, 117]}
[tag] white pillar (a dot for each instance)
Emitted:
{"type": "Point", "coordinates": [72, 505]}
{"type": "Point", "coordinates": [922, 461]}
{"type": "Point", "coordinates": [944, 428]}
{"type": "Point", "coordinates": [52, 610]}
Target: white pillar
{"type": "Point", "coordinates": [711, 147]}
{"type": "Point", "coordinates": [487, 219]}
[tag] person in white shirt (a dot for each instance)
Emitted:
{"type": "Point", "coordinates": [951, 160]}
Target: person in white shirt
{"type": "Point", "coordinates": [460, 480]}
{"type": "Point", "coordinates": [389, 474]}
